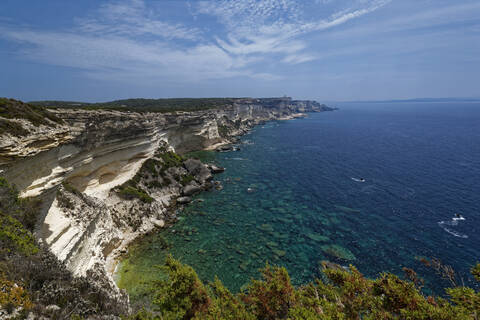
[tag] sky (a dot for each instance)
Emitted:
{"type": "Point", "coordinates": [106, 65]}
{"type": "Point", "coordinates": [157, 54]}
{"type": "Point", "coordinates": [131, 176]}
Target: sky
{"type": "Point", "coordinates": [327, 50]}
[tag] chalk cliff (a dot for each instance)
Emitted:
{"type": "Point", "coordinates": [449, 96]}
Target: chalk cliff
{"type": "Point", "coordinates": [107, 177]}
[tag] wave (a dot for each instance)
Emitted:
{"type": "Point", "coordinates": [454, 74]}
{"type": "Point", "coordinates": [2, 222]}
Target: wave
{"type": "Point", "coordinates": [447, 226]}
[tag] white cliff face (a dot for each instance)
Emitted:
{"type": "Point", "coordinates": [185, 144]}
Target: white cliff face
{"type": "Point", "coordinates": [41, 138]}
{"type": "Point", "coordinates": [88, 226]}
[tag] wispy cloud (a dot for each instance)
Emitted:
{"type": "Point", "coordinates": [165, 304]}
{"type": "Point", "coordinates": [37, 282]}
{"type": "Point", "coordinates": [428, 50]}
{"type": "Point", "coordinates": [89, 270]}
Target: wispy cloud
{"type": "Point", "coordinates": [126, 39]}
{"type": "Point", "coordinates": [272, 26]}
{"type": "Point", "coordinates": [132, 18]}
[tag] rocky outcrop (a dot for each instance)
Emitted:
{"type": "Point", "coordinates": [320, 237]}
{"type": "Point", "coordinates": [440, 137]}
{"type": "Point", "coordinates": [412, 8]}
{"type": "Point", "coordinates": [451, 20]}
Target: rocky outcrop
{"type": "Point", "coordinates": [109, 176]}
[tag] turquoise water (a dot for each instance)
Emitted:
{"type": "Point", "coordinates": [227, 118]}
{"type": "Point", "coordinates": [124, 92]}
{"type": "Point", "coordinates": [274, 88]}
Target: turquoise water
{"type": "Point", "coordinates": [293, 196]}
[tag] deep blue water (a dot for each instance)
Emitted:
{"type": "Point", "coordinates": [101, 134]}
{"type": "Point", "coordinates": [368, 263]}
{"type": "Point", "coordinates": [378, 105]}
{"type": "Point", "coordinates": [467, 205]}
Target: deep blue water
{"type": "Point", "coordinates": [421, 165]}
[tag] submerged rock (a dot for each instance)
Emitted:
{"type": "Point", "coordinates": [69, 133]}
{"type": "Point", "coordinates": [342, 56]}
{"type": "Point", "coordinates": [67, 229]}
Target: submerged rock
{"type": "Point", "coordinates": [279, 253]}
{"type": "Point", "coordinates": [243, 266]}
{"type": "Point", "coordinates": [272, 244]}
{"type": "Point", "coordinates": [284, 220]}
{"type": "Point", "coordinates": [317, 237]}
{"type": "Point", "coordinates": [266, 227]}
{"type": "Point", "coordinates": [339, 252]}
{"type": "Point", "coordinates": [347, 209]}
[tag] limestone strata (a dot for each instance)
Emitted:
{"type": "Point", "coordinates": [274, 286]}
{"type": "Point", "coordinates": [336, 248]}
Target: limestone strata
{"type": "Point", "coordinates": [88, 224]}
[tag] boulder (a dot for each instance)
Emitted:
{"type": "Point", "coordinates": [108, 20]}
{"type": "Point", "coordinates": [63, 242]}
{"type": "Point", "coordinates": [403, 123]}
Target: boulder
{"type": "Point", "coordinates": [191, 189]}
{"type": "Point", "coordinates": [198, 170]}
{"type": "Point", "coordinates": [158, 223]}
{"type": "Point", "coordinates": [224, 148]}
{"type": "Point", "coordinates": [184, 200]}
{"type": "Point", "coordinates": [215, 169]}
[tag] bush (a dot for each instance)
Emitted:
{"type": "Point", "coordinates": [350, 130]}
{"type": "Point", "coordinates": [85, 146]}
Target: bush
{"type": "Point", "coordinates": [170, 159]}
{"type": "Point", "coordinates": [14, 237]}
{"type": "Point", "coordinates": [130, 192]}
{"type": "Point", "coordinates": [272, 297]}
{"type": "Point", "coordinates": [346, 294]}
{"type": "Point", "coordinates": [182, 295]}
{"type": "Point", "coordinates": [186, 179]}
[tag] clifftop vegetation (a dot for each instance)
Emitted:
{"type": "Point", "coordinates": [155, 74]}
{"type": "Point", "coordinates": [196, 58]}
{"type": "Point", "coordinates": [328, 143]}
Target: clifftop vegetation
{"type": "Point", "coordinates": [146, 105]}
{"type": "Point", "coordinates": [161, 105]}
{"type": "Point", "coordinates": [15, 109]}
{"type": "Point", "coordinates": [37, 115]}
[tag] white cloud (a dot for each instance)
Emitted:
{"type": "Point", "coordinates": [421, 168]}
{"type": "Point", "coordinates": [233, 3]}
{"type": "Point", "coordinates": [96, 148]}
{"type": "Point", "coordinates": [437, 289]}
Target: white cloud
{"type": "Point", "coordinates": [132, 18]}
{"type": "Point", "coordinates": [126, 40]}
{"type": "Point", "coordinates": [272, 26]}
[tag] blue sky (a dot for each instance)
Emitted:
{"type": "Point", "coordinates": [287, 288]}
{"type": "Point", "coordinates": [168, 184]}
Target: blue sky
{"type": "Point", "coordinates": [327, 50]}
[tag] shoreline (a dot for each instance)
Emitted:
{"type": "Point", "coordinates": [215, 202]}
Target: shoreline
{"type": "Point", "coordinates": [113, 263]}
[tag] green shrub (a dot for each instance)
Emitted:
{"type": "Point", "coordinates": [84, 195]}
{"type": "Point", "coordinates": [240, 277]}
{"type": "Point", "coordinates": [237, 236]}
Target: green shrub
{"type": "Point", "coordinates": [14, 236]}
{"type": "Point", "coordinates": [182, 295]}
{"type": "Point", "coordinates": [130, 192]}
{"type": "Point", "coordinates": [272, 297]}
{"type": "Point", "coordinates": [345, 294]}
{"type": "Point", "coordinates": [24, 210]}
{"type": "Point", "coordinates": [70, 188]}
{"type": "Point", "coordinates": [186, 179]}
{"type": "Point", "coordinates": [223, 131]}
{"type": "Point", "coordinates": [170, 159]}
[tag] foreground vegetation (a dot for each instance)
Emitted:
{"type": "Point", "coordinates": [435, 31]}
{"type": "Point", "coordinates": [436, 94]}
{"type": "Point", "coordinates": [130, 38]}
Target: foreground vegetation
{"type": "Point", "coordinates": [344, 294]}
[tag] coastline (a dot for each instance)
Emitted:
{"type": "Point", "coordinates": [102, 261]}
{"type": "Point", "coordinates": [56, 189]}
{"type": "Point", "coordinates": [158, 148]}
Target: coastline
{"type": "Point", "coordinates": [84, 221]}
{"type": "Point", "coordinates": [114, 260]}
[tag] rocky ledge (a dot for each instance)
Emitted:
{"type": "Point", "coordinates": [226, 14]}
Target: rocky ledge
{"type": "Point", "coordinates": [107, 177]}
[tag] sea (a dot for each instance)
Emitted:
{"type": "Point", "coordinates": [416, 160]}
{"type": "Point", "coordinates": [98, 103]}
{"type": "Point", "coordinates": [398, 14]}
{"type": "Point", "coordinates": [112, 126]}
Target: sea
{"type": "Point", "coordinates": [375, 185]}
